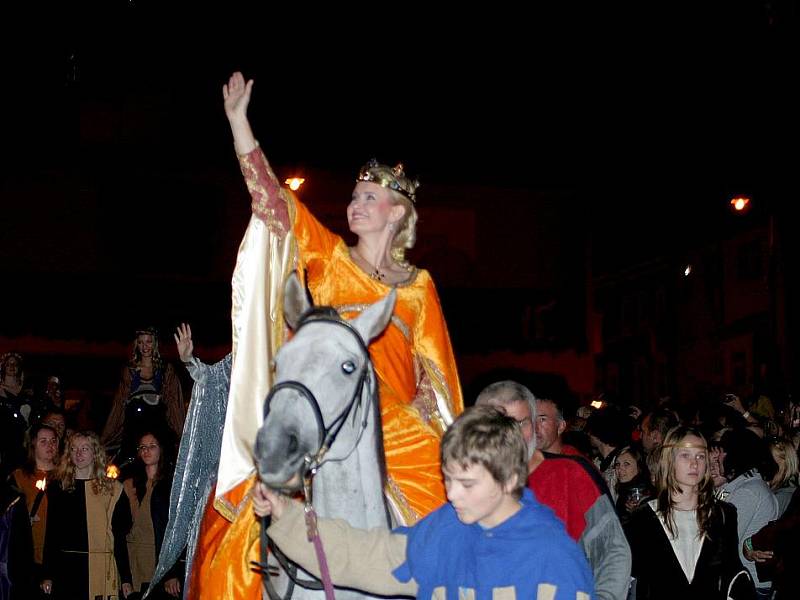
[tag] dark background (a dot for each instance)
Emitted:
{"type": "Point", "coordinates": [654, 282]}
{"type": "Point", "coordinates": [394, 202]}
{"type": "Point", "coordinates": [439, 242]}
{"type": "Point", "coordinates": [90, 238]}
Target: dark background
{"type": "Point", "coordinates": [121, 198]}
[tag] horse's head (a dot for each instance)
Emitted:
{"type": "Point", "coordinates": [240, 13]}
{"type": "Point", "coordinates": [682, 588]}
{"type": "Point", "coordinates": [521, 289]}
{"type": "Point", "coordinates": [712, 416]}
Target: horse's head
{"type": "Point", "coordinates": [321, 375]}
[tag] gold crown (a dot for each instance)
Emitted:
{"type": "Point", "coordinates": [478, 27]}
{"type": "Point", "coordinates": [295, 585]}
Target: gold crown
{"type": "Point", "coordinates": [393, 178]}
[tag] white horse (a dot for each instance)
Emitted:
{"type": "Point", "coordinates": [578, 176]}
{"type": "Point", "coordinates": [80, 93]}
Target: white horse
{"type": "Point", "coordinates": [325, 396]}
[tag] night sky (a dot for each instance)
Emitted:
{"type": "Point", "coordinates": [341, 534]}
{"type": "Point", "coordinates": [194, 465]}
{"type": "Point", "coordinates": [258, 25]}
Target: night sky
{"type": "Point", "coordinates": [119, 170]}
{"type": "Point", "coordinates": [564, 99]}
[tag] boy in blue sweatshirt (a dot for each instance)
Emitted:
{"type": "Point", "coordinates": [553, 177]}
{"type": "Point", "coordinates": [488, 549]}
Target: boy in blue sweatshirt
{"type": "Point", "coordinates": [492, 539]}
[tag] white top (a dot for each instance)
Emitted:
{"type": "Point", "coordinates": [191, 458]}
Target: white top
{"type": "Point", "coordinates": [686, 545]}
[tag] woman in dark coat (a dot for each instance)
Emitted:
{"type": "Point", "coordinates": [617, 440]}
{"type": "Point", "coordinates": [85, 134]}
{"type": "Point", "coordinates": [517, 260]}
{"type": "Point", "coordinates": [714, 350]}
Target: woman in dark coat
{"type": "Point", "coordinates": [633, 482]}
{"type": "Point", "coordinates": [684, 542]}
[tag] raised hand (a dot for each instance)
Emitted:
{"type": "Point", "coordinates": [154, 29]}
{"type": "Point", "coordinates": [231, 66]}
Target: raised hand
{"type": "Point", "coordinates": [183, 339]}
{"type": "Point", "coordinates": [735, 403]}
{"type": "Point", "coordinates": [237, 96]}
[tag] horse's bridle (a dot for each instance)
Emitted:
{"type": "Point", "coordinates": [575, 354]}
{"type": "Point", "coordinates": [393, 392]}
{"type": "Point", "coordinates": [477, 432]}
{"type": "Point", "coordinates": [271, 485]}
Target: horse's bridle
{"type": "Point", "coordinates": [326, 435]}
{"type": "Point", "coordinates": [312, 462]}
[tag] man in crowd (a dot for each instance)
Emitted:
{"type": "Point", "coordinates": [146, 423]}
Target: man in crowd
{"type": "Point", "coordinates": [574, 490]}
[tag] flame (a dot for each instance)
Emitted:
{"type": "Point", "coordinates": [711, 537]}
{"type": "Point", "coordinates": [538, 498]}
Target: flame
{"type": "Point", "coordinates": [597, 403]}
{"type": "Point", "coordinates": [41, 484]}
{"type": "Point", "coordinates": [112, 471]}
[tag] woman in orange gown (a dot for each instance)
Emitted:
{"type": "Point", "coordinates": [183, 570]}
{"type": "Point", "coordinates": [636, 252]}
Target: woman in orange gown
{"type": "Point", "coordinates": [418, 382]}
{"type": "Point", "coordinates": [419, 389]}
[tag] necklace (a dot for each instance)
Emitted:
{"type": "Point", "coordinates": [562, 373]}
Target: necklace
{"type": "Point", "coordinates": [376, 273]}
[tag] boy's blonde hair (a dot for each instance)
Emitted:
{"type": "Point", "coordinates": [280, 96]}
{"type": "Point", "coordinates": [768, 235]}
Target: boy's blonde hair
{"type": "Point", "coordinates": [484, 436]}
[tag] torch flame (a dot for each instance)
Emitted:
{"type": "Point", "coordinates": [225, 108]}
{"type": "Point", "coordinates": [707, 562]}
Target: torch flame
{"type": "Point", "coordinates": [41, 484]}
{"type": "Point", "coordinates": [112, 472]}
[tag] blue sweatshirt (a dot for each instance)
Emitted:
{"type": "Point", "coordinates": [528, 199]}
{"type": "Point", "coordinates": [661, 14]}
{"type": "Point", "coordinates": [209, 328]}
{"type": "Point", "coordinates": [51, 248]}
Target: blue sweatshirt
{"type": "Point", "coordinates": [528, 554]}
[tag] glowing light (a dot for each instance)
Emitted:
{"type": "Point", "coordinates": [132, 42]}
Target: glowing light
{"type": "Point", "coordinates": [687, 271]}
{"type": "Point", "coordinates": [294, 183]}
{"type": "Point", "coordinates": [740, 203]}
{"type": "Point", "coordinates": [41, 484]}
{"type": "Point", "coordinates": [112, 472]}
{"type": "Point", "coordinates": [596, 404]}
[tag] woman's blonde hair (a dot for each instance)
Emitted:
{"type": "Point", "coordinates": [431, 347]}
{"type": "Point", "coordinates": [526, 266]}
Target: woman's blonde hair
{"type": "Point", "coordinates": [786, 458]}
{"type": "Point", "coordinates": [406, 228]}
{"type": "Point", "coordinates": [136, 355]}
{"type": "Point", "coordinates": [66, 469]}
{"type": "Point", "coordinates": [667, 485]}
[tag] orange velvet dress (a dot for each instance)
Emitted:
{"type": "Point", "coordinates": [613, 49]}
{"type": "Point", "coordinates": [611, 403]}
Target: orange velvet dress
{"type": "Point", "coordinates": [413, 360]}
{"type": "Point", "coordinates": [419, 390]}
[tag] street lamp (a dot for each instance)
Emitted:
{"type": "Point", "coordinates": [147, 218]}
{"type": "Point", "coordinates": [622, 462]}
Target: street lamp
{"type": "Point", "coordinates": [294, 183]}
{"type": "Point", "coordinates": [740, 203]}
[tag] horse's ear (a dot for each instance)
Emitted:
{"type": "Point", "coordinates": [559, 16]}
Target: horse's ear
{"type": "Point", "coordinates": [295, 301]}
{"type": "Point", "coordinates": [375, 317]}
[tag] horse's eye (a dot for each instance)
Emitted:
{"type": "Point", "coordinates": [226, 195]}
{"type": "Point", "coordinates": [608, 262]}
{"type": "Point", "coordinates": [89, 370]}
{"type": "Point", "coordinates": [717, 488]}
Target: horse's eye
{"type": "Point", "coordinates": [348, 367]}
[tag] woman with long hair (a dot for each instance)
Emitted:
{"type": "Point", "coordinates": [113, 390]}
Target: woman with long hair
{"type": "Point", "coordinates": [684, 541]}
{"type": "Point", "coordinates": [16, 408]}
{"type": "Point", "coordinates": [785, 481]}
{"type": "Point", "coordinates": [85, 554]}
{"type": "Point", "coordinates": [148, 492]}
{"type": "Point", "coordinates": [633, 481]}
{"type": "Point", "coordinates": [32, 479]}
{"type": "Point", "coordinates": [149, 393]}
{"type": "Point", "coordinates": [12, 380]}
